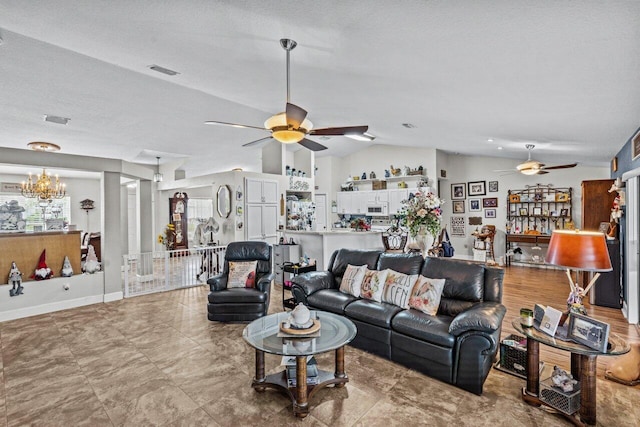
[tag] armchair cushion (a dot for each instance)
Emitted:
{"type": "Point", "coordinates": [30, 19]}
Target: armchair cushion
{"type": "Point", "coordinates": [482, 317]}
{"type": "Point", "coordinates": [242, 274]}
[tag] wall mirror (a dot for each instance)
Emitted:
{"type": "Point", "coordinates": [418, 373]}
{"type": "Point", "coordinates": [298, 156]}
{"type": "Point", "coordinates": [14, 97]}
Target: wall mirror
{"type": "Point", "coordinates": [224, 201]}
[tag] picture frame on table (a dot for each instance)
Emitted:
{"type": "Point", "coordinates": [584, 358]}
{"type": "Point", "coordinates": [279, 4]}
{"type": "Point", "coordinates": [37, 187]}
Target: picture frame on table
{"type": "Point", "coordinates": [489, 213]}
{"type": "Point", "coordinates": [514, 198]}
{"type": "Point", "coordinates": [524, 212]}
{"type": "Point", "coordinates": [564, 212]}
{"type": "Point", "coordinates": [477, 188]}
{"type": "Point", "coordinates": [493, 186]}
{"type": "Point", "coordinates": [588, 331]}
{"type": "Point", "coordinates": [537, 211]}
{"type": "Point", "coordinates": [490, 202]}
{"type": "Point", "coordinates": [458, 191]}
{"type": "Point", "coordinates": [458, 206]}
{"type": "Point", "coordinates": [474, 205]}
{"type": "Point", "coordinates": [562, 197]}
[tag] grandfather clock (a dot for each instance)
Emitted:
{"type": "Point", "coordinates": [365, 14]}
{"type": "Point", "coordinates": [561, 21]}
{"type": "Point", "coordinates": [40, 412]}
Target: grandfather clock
{"type": "Point", "coordinates": [178, 217]}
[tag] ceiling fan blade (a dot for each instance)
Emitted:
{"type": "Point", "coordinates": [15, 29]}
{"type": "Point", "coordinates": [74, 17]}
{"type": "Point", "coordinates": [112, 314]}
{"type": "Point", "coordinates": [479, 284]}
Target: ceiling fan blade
{"type": "Point", "coordinates": [340, 131]}
{"type": "Point", "coordinates": [295, 115]}
{"type": "Point", "coordinates": [572, 165]}
{"type": "Point", "coordinates": [257, 141]}
{"type": "Point", "coordinates": [312, 145]}
{"type": "Point", "coordinates": [541, 172]}
{"type": "Point", "coordinates": [235, 125]}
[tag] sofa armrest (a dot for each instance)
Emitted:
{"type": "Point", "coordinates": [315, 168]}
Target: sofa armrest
{"type": "Point", "coordinates": [483, 317]}
{"type": "Point", "coordinates": [264, 283]}
{"type": "Point", "coordinates": [217, 282]}
{"type": "Point", "coordinates": [306, 284]}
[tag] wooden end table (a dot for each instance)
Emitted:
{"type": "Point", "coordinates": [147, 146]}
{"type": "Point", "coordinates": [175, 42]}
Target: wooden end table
{"type": "Point", "coordinates": [583, 367]}
{"type": "Point", "coordinates": [335, 332]}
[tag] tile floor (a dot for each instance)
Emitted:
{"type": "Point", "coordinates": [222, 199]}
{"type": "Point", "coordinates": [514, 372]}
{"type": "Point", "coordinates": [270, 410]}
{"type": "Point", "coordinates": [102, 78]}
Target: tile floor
{"type": "Point", "coordinates": [157, 360]}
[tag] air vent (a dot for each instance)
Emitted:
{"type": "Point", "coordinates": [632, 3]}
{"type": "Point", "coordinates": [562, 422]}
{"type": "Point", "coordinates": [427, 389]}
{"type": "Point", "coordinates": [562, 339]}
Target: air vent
{"type": "Point", "coordinates": [56, 119]}
{"type": "Point", "coordinates": [409, 125]}
{"type": "Point", "coordinates": [163, 70]}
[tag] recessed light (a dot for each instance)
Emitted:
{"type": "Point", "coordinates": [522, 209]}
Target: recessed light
{"type": "Point", "coordinates": [361, 136]}
{"type": "Point", "coordinates": [489, 140]}
{"type": "Point", "coordinates": [236, 170]}
{"type": "Point", "coordinates": [43, 146]}
{"type": "Point", "coordinates": [409, 125]}
{"type": "Point", "coordinates": [56, 119]}
{"type": "Point", "coordinates": [163, 70]}
{"type": "Point", "coordinates": [499, 148]}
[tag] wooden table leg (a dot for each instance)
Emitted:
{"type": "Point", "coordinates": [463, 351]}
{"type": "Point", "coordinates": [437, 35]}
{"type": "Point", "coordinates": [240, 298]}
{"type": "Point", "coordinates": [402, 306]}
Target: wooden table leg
{"type": "Point", "coordinates": [575, 366]}
{"type": "Point", "coordinates": [339, 373]}
{"type": "Point", "coordinates": [301, 405]}
{"type": "Point", "coordinates": [260, 378]}
{"type": "Point", "coordinates": [588, 389]}
{"type": "Point", "coordinates": [533, 367]}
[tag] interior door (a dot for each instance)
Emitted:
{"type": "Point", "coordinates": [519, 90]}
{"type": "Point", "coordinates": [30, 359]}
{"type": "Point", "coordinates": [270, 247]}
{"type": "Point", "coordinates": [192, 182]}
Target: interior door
{"type": "Point", "coordinates": [321, 212]}
{"type": "Point", "coordinates": [631, 304]}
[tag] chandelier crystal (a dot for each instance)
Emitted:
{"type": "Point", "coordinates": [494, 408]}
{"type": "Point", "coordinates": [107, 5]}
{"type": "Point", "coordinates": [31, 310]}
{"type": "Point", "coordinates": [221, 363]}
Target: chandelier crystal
{"type": "Point", "coordinates": [44, 188]}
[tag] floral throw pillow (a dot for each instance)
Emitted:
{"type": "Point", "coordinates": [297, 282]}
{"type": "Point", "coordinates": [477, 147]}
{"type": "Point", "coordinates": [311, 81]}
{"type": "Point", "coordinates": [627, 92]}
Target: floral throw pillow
{"type": "Point", "coordinates": [352, 279]}
{"type": "Point", "coordinates": [426, 295]}
{"type": "Point", "coordinates": [373, 284]}
{"type": "Point", "coordinates": [242, 274]}
{"type": "Point", "coordinates": [397, 288]}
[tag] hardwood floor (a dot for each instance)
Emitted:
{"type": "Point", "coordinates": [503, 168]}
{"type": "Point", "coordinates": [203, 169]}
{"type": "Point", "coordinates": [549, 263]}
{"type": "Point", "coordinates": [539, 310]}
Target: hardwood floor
{"type": "Point", "coordinates": [525, 287]}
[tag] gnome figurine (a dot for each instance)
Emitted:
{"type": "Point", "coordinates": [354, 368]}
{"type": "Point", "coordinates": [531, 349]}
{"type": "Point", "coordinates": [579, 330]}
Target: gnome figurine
{"type": "Point", "coordinates": [15, 279]}
{"type": "Point", "coordinates": [91, 265]}
{"type": "Point", "coordinates": [67, 270]}
{"type": "Point", "coordinates": [42, 272]}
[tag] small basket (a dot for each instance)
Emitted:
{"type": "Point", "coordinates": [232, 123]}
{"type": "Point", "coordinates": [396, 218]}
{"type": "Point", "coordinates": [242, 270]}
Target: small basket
{"type": "Point", "coordinates": [567, 403]}
{"type": "Point", "coordinates": [378, 185]}
{"type": "Point", "coordinates": [514, 359]}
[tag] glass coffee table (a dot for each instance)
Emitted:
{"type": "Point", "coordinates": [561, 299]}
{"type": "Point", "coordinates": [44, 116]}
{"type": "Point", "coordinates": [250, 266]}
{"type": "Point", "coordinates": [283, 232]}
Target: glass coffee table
{"type": "Point", "coordinates": [335, 332]}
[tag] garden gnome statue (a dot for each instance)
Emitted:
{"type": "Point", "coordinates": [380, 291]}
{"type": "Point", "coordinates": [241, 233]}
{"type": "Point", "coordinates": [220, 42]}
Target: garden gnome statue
{"type": "Point", "coordinates": [67, 270]}
{"type": "Point", "coordinates": [42, 272]}
{"type": "Point", "coordinates": [15, 279]}
{"type": "Point", "coordinates": [91, 265]}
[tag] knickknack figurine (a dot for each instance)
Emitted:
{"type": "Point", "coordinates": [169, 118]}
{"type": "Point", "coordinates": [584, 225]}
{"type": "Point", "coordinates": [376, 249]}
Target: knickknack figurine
{"type": "Point", "coordinates": [42, 272]}
{"type": "Point", "coordinates": [67, 269]}
{"type": "Point", "coordinates": [91, 265]}
{"type": "Point", "coordinates": [15, 279]}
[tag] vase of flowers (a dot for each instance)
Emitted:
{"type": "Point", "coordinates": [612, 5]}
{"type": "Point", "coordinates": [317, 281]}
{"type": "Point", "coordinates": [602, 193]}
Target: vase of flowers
{"type": "Point", "coordinates": [167, 239]}
{"type": "Point", "coordinates": [422, 214]}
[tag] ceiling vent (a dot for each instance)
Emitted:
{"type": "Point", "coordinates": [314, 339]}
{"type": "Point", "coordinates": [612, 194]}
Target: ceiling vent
{"type": "Point", "coordinates": [163, 70]}
{"type": "Point", "coordinates": [409, 125]}
{"type": "Point", "coordinates": [56, 119]}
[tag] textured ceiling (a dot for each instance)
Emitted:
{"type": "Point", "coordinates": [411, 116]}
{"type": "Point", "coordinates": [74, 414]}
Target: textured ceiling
{"type": "Point", "coordinates": [560, 74]}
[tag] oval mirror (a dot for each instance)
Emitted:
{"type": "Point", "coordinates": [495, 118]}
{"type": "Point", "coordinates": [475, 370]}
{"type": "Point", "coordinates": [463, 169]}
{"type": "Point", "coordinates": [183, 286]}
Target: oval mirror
{"type": "Point", "coordinates": [224, 201]}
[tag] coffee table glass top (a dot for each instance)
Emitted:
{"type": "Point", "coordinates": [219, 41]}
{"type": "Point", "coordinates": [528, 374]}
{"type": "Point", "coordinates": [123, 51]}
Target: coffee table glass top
{"type": "Point", "coordinates": [335, 332]}
{"type": "Point", "coordinates": [616, 344]}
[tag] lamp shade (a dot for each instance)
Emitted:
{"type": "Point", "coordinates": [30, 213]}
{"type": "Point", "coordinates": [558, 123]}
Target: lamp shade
{"type": "Point", "coordinates": [579, 250]}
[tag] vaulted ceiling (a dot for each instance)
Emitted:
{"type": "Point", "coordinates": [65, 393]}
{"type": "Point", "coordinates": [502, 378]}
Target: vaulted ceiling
{"type": "Point", "coordinates": [471, 76]}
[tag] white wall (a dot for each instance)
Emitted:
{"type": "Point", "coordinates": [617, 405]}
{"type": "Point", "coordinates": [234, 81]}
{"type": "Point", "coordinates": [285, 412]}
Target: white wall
{"type": "Point", "coordinates": [463, 169]}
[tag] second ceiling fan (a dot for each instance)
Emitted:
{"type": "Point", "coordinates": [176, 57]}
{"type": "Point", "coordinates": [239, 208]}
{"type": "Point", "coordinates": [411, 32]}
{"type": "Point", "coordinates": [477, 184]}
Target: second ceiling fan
{"type": "Point", "coordinates": [534, 167]}
{"type": "Point", "coordinates": [292, 126]}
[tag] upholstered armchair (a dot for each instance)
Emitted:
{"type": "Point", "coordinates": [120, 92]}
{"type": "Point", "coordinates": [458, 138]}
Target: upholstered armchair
{"type": "Point", "coordinates": [240, 304]}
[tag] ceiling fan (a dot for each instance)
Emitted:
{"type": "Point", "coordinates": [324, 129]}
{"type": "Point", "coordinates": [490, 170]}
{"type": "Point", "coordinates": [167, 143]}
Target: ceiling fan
{"type": "Point", "coordinates": [534, 167]}
{"type": "Point", "coordinates": [292, 126]}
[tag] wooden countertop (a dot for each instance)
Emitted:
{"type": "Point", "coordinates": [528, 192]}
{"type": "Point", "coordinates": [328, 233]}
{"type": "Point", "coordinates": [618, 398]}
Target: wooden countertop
{"type": "Point", "coordinates": [37, 233]}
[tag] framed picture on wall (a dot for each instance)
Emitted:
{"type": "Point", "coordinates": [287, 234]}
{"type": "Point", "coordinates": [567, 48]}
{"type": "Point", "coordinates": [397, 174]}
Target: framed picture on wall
{"type": "Point", "coordinates": [493, 186]}
{"type": "Point", "coordinates": [458, 206]}
{"type": "Point", "coordinates": [474, 205]}
{"type": "Point", "coordinates": [458, 191]}
{"type": "Point", "coordinates": [489, 213]}
{"type": "Point", "coordinates": [490, 202]}
{"type": "Point", "coordinates": [635, 146]}
{"type": "Point", "coordinates": [477, 188]}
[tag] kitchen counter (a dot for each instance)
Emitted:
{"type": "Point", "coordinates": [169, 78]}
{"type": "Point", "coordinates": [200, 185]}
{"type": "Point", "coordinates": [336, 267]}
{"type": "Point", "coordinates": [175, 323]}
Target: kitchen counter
{"type": "Point", "coordinates": [320, 245]}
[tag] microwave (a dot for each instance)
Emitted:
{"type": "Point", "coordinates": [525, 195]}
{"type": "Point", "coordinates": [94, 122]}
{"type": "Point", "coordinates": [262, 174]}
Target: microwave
{"type": "Point", "coordinates": [378, 209]}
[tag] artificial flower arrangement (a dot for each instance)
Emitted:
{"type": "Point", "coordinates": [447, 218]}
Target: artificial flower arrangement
{"type": "Point", "coordinates": [422, 211]}
{"type": "Point", "coordinates": [168, 237]}
{"type": "Point", "coordinates": [360, 224]}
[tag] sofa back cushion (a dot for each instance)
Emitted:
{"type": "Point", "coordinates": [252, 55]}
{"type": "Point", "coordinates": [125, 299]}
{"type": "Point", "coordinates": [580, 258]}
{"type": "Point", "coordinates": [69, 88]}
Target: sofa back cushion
{"type": "Point", "coordinates": [409, 263]}
{"type": "Point", "coordinates": [464, 284]}
{"type": "Point", "coordinates": [343, 257]}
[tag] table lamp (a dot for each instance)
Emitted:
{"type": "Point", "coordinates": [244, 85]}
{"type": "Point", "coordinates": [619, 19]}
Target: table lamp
{"type": "Point", "coordinates": [582, 251]}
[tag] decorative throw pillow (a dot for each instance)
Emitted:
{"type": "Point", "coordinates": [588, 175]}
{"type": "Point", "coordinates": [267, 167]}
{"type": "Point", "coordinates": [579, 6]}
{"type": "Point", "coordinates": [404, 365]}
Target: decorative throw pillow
{"type": "Point", "coordinates": [397, 288]}
{"type": "Point", "coordinates": [373, 284]}
{"type": "Point", "coordinates": [242, 274]}
{"type": "Point", "coordinates": [352, 279]}
{"type": "Point", "coordinates": [426, 295]}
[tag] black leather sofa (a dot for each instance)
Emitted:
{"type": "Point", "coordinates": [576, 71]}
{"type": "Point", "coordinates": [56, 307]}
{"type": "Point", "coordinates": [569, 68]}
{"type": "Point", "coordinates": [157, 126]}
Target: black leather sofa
{"type": "Point", "coordinates": [457, 345]}
{"type": "Point", "coordinates": [242, 304]}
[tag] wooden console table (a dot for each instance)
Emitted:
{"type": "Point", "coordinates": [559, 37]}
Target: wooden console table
{"type": "Point", "coordinates": [583, 367]}
{"type": "Point", "coordinates": [533, 239]}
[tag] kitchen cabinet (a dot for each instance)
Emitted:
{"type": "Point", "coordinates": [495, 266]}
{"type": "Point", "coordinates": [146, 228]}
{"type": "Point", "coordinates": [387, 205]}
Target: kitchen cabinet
{"type": "Point", "coordinates": [395, 200]}
{"type": "Point", "coordinates": [344, 201]}
{"type": "Point", "coordinates": [262, 222]}
{"type": "Point", "coordinates": [261, 190]}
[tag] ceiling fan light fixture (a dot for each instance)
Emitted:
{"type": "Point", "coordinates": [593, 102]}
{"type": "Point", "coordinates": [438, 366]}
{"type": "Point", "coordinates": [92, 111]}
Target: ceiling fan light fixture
{"type": "Point", "coordinates": [287, 136]}
{"type": "Point", "coordinates": [281, 132]}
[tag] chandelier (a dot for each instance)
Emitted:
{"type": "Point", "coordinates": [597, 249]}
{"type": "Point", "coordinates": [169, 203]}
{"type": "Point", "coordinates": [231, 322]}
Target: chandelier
{"type": "Point", "coordinates": [44, 188]}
